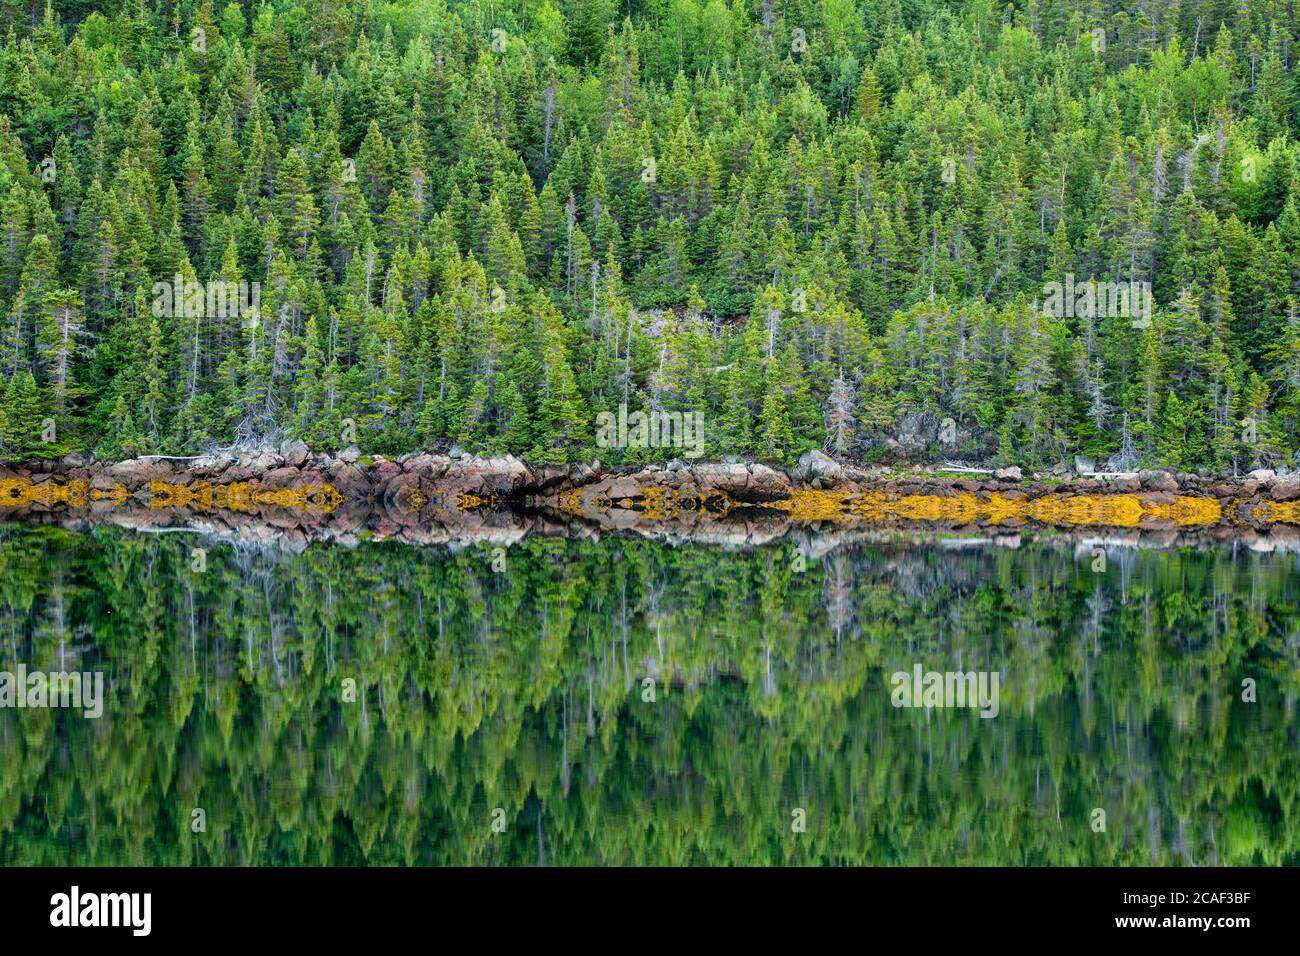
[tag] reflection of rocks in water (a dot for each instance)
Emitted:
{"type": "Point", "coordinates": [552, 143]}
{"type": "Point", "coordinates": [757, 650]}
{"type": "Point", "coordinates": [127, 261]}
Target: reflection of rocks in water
{"type": "Point", "coordinates": [444, 521]}
{"type": "Point", "coordinates": [296, 497]}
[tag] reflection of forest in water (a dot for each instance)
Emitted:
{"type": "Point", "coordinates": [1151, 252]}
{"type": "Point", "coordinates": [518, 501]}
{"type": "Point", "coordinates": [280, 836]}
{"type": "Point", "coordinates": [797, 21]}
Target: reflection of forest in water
{"type": "Point", "coordinates": [524, 690]}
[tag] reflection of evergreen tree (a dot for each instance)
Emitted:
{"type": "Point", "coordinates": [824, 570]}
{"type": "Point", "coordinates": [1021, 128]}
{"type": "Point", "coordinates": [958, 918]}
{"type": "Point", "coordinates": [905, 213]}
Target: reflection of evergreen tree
{"type": "Point", "coordinates": [523, 691]}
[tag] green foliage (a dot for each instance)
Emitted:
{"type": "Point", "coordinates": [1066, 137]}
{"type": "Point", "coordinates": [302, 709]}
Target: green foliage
{"type": "Point", "coordinates": [490, 225]}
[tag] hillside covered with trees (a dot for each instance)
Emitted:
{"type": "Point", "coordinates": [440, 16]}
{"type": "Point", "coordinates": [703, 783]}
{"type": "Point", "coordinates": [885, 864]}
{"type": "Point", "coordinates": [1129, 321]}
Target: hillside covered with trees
{"type": "Point", "coordinates": [819, 223]}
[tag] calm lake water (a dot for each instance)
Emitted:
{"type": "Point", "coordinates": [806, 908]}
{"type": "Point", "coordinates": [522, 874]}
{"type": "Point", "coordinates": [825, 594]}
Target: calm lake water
{"type": "Point", "coordinates": [626, 702]}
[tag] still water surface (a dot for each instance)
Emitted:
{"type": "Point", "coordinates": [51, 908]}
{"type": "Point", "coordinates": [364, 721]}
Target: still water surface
{"type": "Point", "coordinates": [623, 701]}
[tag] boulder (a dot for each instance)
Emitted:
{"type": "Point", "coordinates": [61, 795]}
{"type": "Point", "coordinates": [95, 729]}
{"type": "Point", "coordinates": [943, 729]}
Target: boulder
{"type": "Point", "coordinates": [400, 498]}
{"type": "Point", "coordinates": [1285, 488]}
{"type": "Point", "coordinates": [583, 474]}
{"type": "Point", "coordinates": [294, 452]}
{"type": "Point", "coordinates": [815, 464]}
{"type": "Point", "coordinates": [209, 465]}
{"type": "Point", "coordinates": [550, 477]}
{"type": "Point", "coordinates": [1153, 498]}
{"type": "Point", "coordinates": [139, 471]}
{"type": "Point", "coordinates": [431, 467]}
{"type": "Point", "coordinates": [622, 487]}
{"type": "Point", "coordinates": [1007, 474]}
{"type": "Point", "coordinates": [266, 461]}
{"type": "Point", "coordinates": [236, 473]}
{"type": "Point", "coordinates": [732, 479]}
{"type": "Point", "coordinates": [349, 480]}
{"type": "Point", "coordinates": [1160, 481]}
{"type": "Point", "coordinates": [500, 476]}
{"type": "Point", "coordinates": [767, 484]}
{"type": "Point", "coordinates": [285, 477]}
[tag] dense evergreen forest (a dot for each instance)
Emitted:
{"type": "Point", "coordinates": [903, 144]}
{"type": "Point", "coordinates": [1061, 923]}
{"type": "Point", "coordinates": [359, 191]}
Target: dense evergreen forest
{"type": "Point", "coordinates": [527, 692]}
{"type": "Point", "coordinates": [819, 223]}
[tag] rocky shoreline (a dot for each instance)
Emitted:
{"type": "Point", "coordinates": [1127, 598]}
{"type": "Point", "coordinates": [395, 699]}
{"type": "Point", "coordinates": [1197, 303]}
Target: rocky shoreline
{"type": "Point", "coordinates": [291, 487]}
{"type": "Point", "coordinates": [293, 465]}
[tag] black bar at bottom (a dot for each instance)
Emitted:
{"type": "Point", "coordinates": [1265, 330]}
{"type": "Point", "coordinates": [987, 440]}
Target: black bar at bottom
{"type": "Point", "coordinates": [341, 905]}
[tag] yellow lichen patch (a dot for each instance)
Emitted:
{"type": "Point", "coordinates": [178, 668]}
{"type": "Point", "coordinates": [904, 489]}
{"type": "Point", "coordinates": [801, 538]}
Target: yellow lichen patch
{"type": "Point", "coordinates": [653, 502]}
{"type": "Point", "coordinates": [76, 493]}
{"type": "Point", "coordinates": [806, 505]}
{"type": "Point", "coordinates": [236, 496]}
{"type": "Point", "coordinates": [244, 496]}
{"type": "Point", "coordinates": [283, 498]}
{"type": "Point", "coordinates": [1189, 511]}
{"type": "Point", "coordinates": [323, 497]}
{"type": "Point", "coordinates": [872, 506]}
{"type": "Point", "coordinates": [1285, 512]}
{"type": "Point", "coordinates": [716, 503]}
{"type": "Point", "coordinates": [304, 498]}
{"type": "Point", "coordinates": [1115, 511]}
{"type": "Point", "coordinates": [1121, 511]}
{"type": "Point", "coordinates": [117, 494]}
{"type": "Point", "coordinates": [180, 496]}
{"type": "Point", "coordinates": [414, 500]}
{"type": "Point", "coordinates": [467, 500]}
{"type": "Point", "coordinates": [1001, 508]}
{"type": "Point", "coordinates": [659, 503]}
{"type": "Point", "coordinates": [21, 492]}
{"type": "Point", "coordinates": [963, 508]}
{"type": "Point", "coordinates": [298, 498]}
